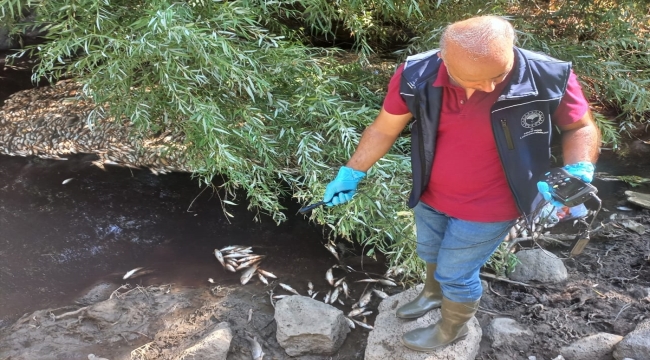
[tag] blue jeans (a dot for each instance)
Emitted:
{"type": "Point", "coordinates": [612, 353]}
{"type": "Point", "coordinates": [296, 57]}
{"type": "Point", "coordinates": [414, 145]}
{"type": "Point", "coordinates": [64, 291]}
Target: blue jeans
{"type": "Point", "coordinates": [459, 248]}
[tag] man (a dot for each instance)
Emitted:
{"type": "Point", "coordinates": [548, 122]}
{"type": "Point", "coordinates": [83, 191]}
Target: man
{"type": "Point", "coordinates": [483, 113]}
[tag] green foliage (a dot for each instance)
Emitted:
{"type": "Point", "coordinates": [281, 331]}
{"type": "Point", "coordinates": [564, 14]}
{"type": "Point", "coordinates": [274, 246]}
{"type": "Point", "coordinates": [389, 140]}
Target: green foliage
{"type": "Point", "coordinates": [275, 116]}
{"type": "Point", "coordinates": [502, 262]}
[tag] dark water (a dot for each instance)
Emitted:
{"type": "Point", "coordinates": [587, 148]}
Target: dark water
{"type": "Point", "coordinates": [56, 240]}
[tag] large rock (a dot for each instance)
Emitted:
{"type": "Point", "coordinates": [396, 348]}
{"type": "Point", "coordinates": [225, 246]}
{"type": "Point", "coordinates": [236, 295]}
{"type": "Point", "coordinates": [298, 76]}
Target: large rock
{"type": "Point", "coordinates": [508, 332]}
{"type": "Point", "coordinates": [384, 341]}
{"type": "Point", "coordinates": [214, 345]}
{"type": "Point", "coordinates": [539, 265]}
{"type": "Point", "coordinates": [594, 347]}
{"type": "Point", "coordinates": [635, 345]}
{"type": "Point", "coordinates": [308, 326]}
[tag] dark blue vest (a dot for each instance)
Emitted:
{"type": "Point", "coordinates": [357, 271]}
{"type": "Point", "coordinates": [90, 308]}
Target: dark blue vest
{"type": "Point", "coordinates": [521, 119]}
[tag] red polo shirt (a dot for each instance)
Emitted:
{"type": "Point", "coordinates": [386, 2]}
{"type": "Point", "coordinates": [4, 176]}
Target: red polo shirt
{"type": "Point", "coordinates": [467, 179]}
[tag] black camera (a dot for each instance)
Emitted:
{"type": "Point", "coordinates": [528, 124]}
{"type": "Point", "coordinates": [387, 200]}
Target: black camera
{"type": "Point", "coordinates": [568, 189]}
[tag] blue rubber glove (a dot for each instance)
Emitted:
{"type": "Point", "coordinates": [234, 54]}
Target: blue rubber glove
{"type": "Point", "coordinates": [343, 187]}
{"type": "Point", "coordinates": [583, 170]}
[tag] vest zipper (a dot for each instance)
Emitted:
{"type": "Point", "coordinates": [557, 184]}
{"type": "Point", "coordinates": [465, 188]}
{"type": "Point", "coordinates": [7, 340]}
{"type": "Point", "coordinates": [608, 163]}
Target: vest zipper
{"type": "Point", "coordinates": [506, 130]}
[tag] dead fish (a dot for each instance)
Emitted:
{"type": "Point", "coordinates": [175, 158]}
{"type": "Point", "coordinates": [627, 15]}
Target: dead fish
{"type": "Point", "coordinates": [341, 302]}
{"type": "Point", "coordinates": [380, 293]}
{"type": "Point", "coordinates": [335, 295]}
{"type": "Point", "coordinates": [356, 312]}
{"type": "Point", "coordinates": [368, 280]}
{"type": "Point", "coordinates": [66, 181]}
{"type": "Point", "coordinates": [313, 296]}
{"type": "Point", "coordinates": [247, 274]}
{"type": "Point", "coordinates": [329, 276]}
{"type": "Point", "coordinates": [230, 268]}
{"type": "Point", "coordinates": [262, 279]}
{"type": "Point", "coordinates": [219, 257]}
{"type": "Point", "coordinates": [326, 299]}
{"type": "Point", "coordinates": [232, 262]}
{"type": "Point", "coordinates": [339, 281]}
{"type": "Point", "coordinates": [350, 322]}
{"type": "Point", "coordinates": [235, 255]}
{"type": "Point", "coordinates": [256, 348]}
{"type": "Point", "coordinates": [366, 313]}
{"type": "Point", "coordinates": [281, 296]}
{"type": "Point", "coordinates": [211, 281]}
{"type": "Point", "coordinates": [250, 315]}
{"type": "Point", "coordinates": [229, 248]}
{"type": "Point", "coordinates": [365, 299]}
{"type": "Point", "coordinates": [289, 288]}
{"type": "Point", "coordinates": [131, 272]}
{"type": "Point", "coordinates": [267, 274]}
{"type": "Point", "coordinates": [362, 324]}
{"type": "Point", "coordinates": [247, 264]}
{"type": "Point", "coordinates": [387, 282]}
{"type": "Point", "coordinates": [249, 258]}
{"type": "Point", "coordinates": [331, 248]}
{"type": "Point", "coordinates": [346, 290]}
{"type": "Point", "coordinates": [310, 286]}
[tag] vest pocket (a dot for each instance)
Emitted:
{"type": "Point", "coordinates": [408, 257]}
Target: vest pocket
{"type": "Point", "coordinates": [506, 132]}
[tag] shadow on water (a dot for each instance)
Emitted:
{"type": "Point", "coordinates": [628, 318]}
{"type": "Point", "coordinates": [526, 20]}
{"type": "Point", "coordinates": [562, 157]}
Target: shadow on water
{"type": "Point", "coordinates": [57, 240]}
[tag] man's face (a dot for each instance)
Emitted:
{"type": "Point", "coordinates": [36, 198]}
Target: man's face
{"type": "Point", "coordinates": [482, 75]}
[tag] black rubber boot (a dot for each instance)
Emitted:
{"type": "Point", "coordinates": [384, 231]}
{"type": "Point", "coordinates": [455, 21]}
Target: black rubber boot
{"type": "Point", "coordinates": [451, 327]}
{"type": "Point", "coordinates": [430, 298]}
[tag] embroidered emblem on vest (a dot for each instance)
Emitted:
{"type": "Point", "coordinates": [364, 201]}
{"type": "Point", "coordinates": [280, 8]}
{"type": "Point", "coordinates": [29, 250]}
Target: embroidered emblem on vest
{"type": "Point", "coordinates": [532, 118]}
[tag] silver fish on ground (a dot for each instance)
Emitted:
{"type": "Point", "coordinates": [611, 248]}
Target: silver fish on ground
{"type": "Point", "coordinates": [235, 256]}
{"type": "Point", "coordinates": [332, 249]}
{"type": "Point", "coordinates": [67, 181]}
{"type": "Point", "coordinates": [338, 282]}
{"type": "Point", "coordinates": [365, 299]}
{"type": "Point", "coordinates": [250, 315]}
{"type": "Point", "coordinates": [131, 272]}
{"type": "Point", "coordinates": [310, 286]}
{"type": "Point", "coordinates": [219, 257]}
{"type": "Point", "coordinates": [313, 296]}
{"type": "Point", "coordinates": [356, 312]}
{"type": "Point", "coordinates": [249, 258]}
{"type": "Point", "coordinates": [229, 248]}
{"type": "Point", "coordinates": [340, 301]}
{"type": "Point", "coordinates": [262, 279]}
{"type": "Point", "coordinates": [387, 282]}
{"type": "Point", "coordinates": [335, 295]}
{"type": "Point", "coordinates": [247, 264]}
{"type": "Point", "coordinates": [326, 299]}
{"type": "Point", "coordinates": [247, 274]}
{"type": "Point", "coordinates": [230, 268]}
{"type": "Point", "coordinates": [346, 290]}
{"type": "Point", "coordinates": [350, 322]}
{"type": "Point", "coordinates": [362, 324]}
{"type": "Point", "coordinates": [366, 313]}
{"type": "Point", "coordinates": [256, 349]}
{"type": "Point", "coordinates": [278, 297]}
{"type": "Point", "coordinates": [380, 293]}
{"type": "Point", "coordinates": [289, 288]}
{"type": "Point", "coordinates": [329, 276]}
{"type": "Point", "coordinates": [267, 274]}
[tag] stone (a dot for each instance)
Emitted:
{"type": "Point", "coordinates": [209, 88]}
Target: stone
{"type": "Point", "coordinates": [638, 198]}
{"type": "Point", "coordinates": [508, 332]}
{"type": "Point", "coordinates": [307, 326]}
{"type": "Point", "coordinates": [635, 345]}
{"type": "Point", "coordinates": [384, 342]}
{"type": "Point", "coordinates": [539, 265]}
{"type": "Point", "coordinates": [96, 293]}
{"type": "Point", "coordinates": [106, 311]}
{"type": "Point", "coordinates": [214, 345]}
{"type": "Point", "coordinates": [595, 347]}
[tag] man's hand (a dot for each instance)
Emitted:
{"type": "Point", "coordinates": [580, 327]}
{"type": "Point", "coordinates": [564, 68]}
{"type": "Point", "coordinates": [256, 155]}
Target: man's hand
{"type": "Point", "coordinates": [583, 170]}
{"type": "Point", "coordinates": [343, 187]}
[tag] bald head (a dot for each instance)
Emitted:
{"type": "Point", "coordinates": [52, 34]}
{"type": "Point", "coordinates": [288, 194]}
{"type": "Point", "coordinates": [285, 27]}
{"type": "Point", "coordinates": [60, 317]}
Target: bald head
{"type": "Point", "coordinates": [479, 38]}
